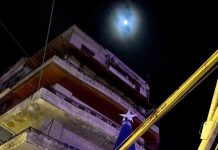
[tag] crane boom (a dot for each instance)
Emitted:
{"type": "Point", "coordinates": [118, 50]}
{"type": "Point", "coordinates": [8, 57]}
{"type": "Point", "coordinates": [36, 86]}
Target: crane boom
{"type": "Point", "coordinates": [210, 128]}
{"type": "Point", "coordinates": [172, 100]}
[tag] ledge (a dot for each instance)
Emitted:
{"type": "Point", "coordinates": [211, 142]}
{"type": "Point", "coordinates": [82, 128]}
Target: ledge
{"type": "Point", "coordinates": [34, 139]}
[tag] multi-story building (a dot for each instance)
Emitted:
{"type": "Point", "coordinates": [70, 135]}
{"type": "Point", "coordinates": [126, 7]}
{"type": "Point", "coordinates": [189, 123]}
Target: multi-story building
{"type": "Point", "coordinates": [70, 97]}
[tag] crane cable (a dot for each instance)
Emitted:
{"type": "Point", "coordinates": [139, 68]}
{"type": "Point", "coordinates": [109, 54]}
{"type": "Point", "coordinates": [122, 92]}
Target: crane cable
{"type": "Point", "coordinates": [46, 43]}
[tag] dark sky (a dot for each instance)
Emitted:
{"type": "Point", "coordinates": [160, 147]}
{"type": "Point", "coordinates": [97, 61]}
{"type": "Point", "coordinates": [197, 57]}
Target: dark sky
{"type": "Point", "coordinates": [174, 39]}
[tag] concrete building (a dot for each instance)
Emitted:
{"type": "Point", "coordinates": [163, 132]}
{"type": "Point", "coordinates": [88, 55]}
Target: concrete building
{"type": "Point", "coordinates": [72, 100]}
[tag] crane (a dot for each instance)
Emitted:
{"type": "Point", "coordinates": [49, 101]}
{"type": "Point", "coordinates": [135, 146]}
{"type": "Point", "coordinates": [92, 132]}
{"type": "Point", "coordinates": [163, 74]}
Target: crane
{"type": "Point", "coordinates": [210, 128]}
{"type": "Point", "coordinates": [208, 66]}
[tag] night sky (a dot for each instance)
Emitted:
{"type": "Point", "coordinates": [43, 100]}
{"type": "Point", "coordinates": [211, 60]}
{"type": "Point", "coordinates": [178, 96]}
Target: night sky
{"type": "Point", "coordinates": [174, 38]}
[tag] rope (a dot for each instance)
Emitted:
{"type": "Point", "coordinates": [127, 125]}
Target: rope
{"type": "Point", "coordinates": [46, 43]}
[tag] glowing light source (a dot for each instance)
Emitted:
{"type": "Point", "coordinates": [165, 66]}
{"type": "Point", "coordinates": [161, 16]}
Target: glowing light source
{"type": "Point", "coordinates": [124, 21]}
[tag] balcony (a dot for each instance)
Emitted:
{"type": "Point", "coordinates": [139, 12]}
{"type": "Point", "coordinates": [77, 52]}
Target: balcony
{"type": "Point", "coordinates": [59, 70]}
{"type": "Point", "coordinates": [34, 140]}
{"type": "Point", "coordinates": [81, 40]}
{"type": "Point", "coordinates": [75, 116]}
{"type": "Point", "coordinates": [94, 82]}
{"type": "Point", "coordinates": [97, 84]}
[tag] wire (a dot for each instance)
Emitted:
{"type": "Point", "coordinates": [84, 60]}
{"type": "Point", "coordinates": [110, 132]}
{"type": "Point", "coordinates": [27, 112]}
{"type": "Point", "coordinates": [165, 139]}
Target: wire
{"type": "Point", "coordinates": [46, 43]}
{"type": "Point", "coordinates": [14, 39]}
{"type": "Point", "coordinates": [18, 44]}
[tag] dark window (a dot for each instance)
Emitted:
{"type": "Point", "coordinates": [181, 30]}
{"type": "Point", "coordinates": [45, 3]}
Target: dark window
{"type": "Point", "coordinates": [87, 51]}
{"type": "Point", "coordinates": [137, 86]}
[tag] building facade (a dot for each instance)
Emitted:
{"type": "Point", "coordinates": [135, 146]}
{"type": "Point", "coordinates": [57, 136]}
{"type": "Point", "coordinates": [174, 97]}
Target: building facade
{"type": "Point", "coordinates": [72, 99]}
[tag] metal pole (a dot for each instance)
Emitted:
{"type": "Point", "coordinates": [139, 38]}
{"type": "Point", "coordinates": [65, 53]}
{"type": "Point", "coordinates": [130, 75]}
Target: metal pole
{"type": "Point", "coordinates": [171, 101]}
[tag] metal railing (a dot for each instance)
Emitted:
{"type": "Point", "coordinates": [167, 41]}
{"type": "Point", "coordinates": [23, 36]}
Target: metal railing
{"type": "Point", "coordinates": [85, 109]}
{"type": "Point", "coordinates": [105, 87]}
{"type": "Point", "coordinates": [90, 111]}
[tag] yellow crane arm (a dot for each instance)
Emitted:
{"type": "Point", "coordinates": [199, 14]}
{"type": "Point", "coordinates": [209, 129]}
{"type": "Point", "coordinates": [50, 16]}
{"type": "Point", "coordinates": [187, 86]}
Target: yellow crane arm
{"type": "Point", "coordinates": [210, 128]}
{"type": "Point", "coordinates": [172, 100]}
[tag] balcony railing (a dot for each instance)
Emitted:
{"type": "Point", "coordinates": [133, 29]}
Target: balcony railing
{"type": "Point", "coordinates": [84, 108]}
{"type": "Point", "coordinates": [41, 134]}
{"type": "Point", "coordinates": [106, 88]}
{"type": "Point", "coordinates": [73, 101]}
{"type": "Point", "coordinates": [90, 111]}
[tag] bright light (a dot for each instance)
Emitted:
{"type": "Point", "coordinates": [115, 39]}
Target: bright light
{"type": "Point", "coordinates": [125, 22]}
